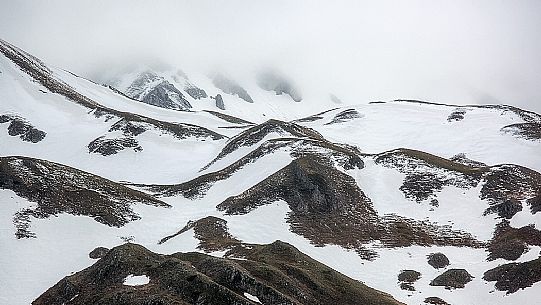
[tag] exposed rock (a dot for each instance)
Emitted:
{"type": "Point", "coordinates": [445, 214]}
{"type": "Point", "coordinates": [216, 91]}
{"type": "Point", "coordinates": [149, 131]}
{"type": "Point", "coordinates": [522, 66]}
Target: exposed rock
{"type": "Point", "coordinates": [212, 232]}
{"type": "Point", "coordinates": [98, 252]}
{"type": "Point", "coordinates": [60, 189]}
{"type": "Point", "coordinates": [406, 278]}
{"type": "Point", "coordinates": [427, 174]}
{"type": "Point", "coordinates": [506, 186]}
{"type": "Point", "coordinates": [229, 118]}
{"type": "Point", "coordinates": [272, 81]}
{"type": "Point", "coordinates": [315, 117]}
{"type": "Point", "coordinates": [230, 87]}
{"type": "Point", "coordinates": [344, 116]}
{"type": "Point", "coordinates": [530, 130]}
{"type": "Point", "coordinates": [438, 260]}
{"type": "Point", "coordinates": [107, 147]}
{"type": "Point", "coordinates": [276, 274]}
{"type": "Point", "coordinates": [456, 115]}
{"type": "Point", "coordinates": [452, 279]}
{"type": "Point", "coordinates": [20, 127]}
{"type": "Point", "coordinates": [462, 159]}
{"type": "Point", "coordinates": [195, 92]}
{"type": "Point", "coordinates": [166, 95]}
{"type": "Point", "coordinates": [514, 276]}
{"type": "Point", "coordinates": [510, 243]}
{"type": "Point", "coordinates": [219, 101]}
{"type": "Point", "coordinates": [435, 301]}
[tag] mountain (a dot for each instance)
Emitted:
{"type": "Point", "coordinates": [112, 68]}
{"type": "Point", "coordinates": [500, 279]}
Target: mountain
{"type": "Point", "coordinates": [148, 190]}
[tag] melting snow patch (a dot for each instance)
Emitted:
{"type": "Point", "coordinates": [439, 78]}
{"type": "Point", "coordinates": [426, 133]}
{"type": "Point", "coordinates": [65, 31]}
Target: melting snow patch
{"type": "Point", "coordinates": [251, 297]}
{"type": "Point", "coordinates": [136, 280]}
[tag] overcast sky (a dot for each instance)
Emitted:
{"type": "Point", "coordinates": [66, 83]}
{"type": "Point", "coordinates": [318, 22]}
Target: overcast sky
{"type": "Point", "coordinates": [443, 51]}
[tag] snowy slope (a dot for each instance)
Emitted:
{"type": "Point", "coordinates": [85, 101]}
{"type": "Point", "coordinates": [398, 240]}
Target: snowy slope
{"type": "Point", "coordinates": [226, 158]}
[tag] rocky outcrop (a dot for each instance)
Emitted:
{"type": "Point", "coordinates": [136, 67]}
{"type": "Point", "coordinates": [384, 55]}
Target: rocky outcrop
{"type": "Point", "coordinates": [166, 95]}
{"type": "Point", "coordinates": [406, 278]}
{"type": "Point", "coordinates": [276, 274]}
{"type": "Point", "coordinates": [514, 276]}
{"type": "Point", "coordinates": [452, 279]}
{"type": "Point", "coordinates": [22, 128]}
{"type": "Point", "coordinates": [107, 147]}
{"type": "Point", "coordinates": [438, 260]}
{"type": "Point", "coordinates": [219, 101]}
{"type": "Point", "coordinates": [456, 115]}
{"type": "Point", "coordinates": [529, 130]}
{"type": "Point", "coordinates": [98, 253]}
{"type": "Point", "coordinates": [57, 189]}
{"type": "Point", "coordinates": [195, 92]}
{"type": "Point", "coordinates": [212, 233]}
{"type": "Point", "coordinates": [510, 243]}
{"type": "Point", "coordinates": [344, 116]}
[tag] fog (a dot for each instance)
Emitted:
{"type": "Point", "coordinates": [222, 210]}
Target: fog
{"type": "Point", "coordinates": [443, 51]}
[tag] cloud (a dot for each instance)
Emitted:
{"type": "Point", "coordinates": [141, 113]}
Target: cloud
{"type": "Point", "coordinates": [444, 51]}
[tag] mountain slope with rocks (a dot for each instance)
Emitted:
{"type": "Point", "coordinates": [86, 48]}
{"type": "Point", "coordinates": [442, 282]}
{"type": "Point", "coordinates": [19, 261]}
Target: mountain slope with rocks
{"type": "Point", "coordinates": [256, 196]}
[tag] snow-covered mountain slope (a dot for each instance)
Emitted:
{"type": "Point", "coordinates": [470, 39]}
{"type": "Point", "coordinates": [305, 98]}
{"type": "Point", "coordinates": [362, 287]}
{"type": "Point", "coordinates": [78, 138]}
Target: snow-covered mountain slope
{"type": "Point", "coordinates": [259, 97]}
{"type": "Point", "coordinates": [430, 203]}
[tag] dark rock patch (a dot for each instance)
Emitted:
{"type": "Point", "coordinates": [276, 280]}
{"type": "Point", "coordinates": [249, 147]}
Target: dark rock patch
{"type": "Point", "coordinates": [98, 253]}
{"type": "Point", "coordinates": [57, 189]}
{"type": "Point", "coordinates": [344, 116]}
{"type": "Point", "coordinates": [435, 301]}
{"type": "Point", "coordinates": [276, 274]}
{"type": "Point", "coordinates": [229, 118]}
{"type": "Point", "coordinates": [427, 174]}
{"type": "Point", "coordinates": [212, 232]}
{"type": "Point", "coordinates": [514, 276]}
{"type": "Point", "coordinates": [452, 279]}
{"type": "Point", "coordinates": [107, 147]}
{"type": "Point", "coordinates": [529, 131]}
{"type": "Point", "coordinates": [506, 186]}
{"type": "Point", "coordinates": [195, 92]}
{"type": "Point", "coordinates": [23, 129]}
{"type": "Point", "coordinates": [438, 260]}
{"type": "Point", "coordinates": [406, 278]}
{"type": "Point", "coordinates": [456, 115]}
{"type": "Point", "coordinates": [312, 118]}
{"type": "Point", "coordinates": [462, 159]}
{"type": "Point", "coordinates": [166, 95]}
{"type": "Point", "coordinates": [510, 243]}
{"type": "Point", "coordinates": [219, 101]}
